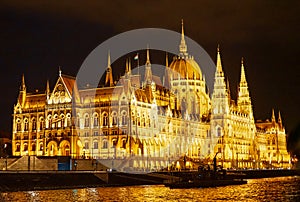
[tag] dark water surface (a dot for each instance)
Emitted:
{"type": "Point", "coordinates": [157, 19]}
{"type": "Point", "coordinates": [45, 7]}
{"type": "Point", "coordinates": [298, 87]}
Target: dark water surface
{"type": "Point", "coordinates": [267, 189]}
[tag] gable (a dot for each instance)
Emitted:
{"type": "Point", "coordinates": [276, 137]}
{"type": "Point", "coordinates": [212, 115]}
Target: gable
{"type": "Point", "coordinates": [60, 93]}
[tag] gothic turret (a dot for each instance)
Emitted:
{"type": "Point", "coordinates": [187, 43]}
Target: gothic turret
{"type": "Point", "coordinates": [220, 100]}
{"type": "Point", "coordinates": [47, 90]}
{"type": "Point", "coordinates": [148, 71]}
{"type": "Point", "coordinates": [244, 101]}
{"type": "Point", "coordinates": [22, 93]}
{"type": "Point", "coordinates": [279, 120]}
{"type": "Point", "coordinates": [109, 76]}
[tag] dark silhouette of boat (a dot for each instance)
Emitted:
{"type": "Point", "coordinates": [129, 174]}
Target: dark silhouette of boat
{"type": "Point", "coordinates": [207, 177]}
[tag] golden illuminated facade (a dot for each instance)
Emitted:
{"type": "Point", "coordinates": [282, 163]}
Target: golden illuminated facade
{"type": "Point", "coordinates": [148, 124]}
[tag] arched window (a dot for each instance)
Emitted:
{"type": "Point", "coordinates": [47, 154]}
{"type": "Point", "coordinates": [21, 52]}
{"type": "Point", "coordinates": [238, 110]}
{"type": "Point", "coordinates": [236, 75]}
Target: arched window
{"type": "Point", "coordinates": [105, 120]}
{"type": "Point", "coordinates": [124, 118]}
{"type": "Point", "coordinates": [17, 147]}
{"type": "Point", "coordinates": [273, 141]}
{"type": "Point", "coordinates": [33, 147]}
{"type": "Point", "coordinates": [114, 142]}
{"type": "Point", "coordinates": [96, 120]}
{"type": "Point", "coordinates": [18, 125]}
{"type": "Point", "coordinates": [25, 147]}
{"type": "Point", "coordinates": [219, 131]}
{"type": "Point", "coordinates": [104, 144]}
{"type": "Point", "coordinates": [86, 121]}
{"type": "Point", "coordinates": [95, 145]}
{"type": "Point", "coordinates": [33, 124]}
{"type": "Point", "coordinates": [25, 124]}
{"type": "Point", "coordinates": [42, 123]}
{"type": "Point", "coordinates": [86, 145]}
{"type": "Point", "coordinates": [41, 147]}
{"type": "Point", "coordinates": [124, 143]}
{"type": "Point", "coordinates": [115, 120]}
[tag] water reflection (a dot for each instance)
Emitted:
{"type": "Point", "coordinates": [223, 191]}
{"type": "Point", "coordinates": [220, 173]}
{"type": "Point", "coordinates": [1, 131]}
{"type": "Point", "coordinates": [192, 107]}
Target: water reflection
{"type": "Point", "coordinates": [269, 189]}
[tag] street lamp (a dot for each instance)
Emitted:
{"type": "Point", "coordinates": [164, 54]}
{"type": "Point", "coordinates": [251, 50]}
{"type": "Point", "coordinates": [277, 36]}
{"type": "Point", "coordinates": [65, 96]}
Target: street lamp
{"type": "Point", "coordinates": [5, 152]}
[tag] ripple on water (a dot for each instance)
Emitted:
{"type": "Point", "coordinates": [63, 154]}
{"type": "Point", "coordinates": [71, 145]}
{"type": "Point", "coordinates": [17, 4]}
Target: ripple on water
{"type": "Point", "coordinates": [268, 189]}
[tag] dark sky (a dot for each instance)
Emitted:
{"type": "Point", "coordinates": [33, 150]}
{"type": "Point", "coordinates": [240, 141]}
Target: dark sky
{"type": "Point", "coordinates": [38, 36]}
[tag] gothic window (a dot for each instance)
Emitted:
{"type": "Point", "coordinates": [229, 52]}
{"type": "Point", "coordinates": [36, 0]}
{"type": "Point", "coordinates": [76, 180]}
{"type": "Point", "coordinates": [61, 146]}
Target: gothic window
{"type": "Point", "coordinates": [124, 118]}
{"type": "Point", "coordinates": [41, 123]}
{"type": "Point", "coordinates": [17, 147]}
{"type": "Point", "coordinates": [33, 147]}
{"type": "Point", "coordinates": [105, 120]}
{"type": "Point", "coordinates": [219, 132]}
{"type": "Point", "coordinates": [33, 124]}
{"type": "Point", "coordinates": [104, 144]}
{"type": "Point", "coordinates": [48, 121]}
{"type": "Point", "coordinates": [96, 120]}
{"type": "Point", "coordinates": [96, 133]}
{"type": "Point", "coordinates": [114, 142]}
{"type": "Point", "coordinates": [26, 125]}
{"type": "Point", "coordinates": [86, 121]}
{"type": "Point", "coordinates": [138, 120]}
{"type": "Point", "coordinates": [115, 120]}
{"type": "Point", "coordinates": [86, 145]}
{"type": "Point", "coordinates": [148, 121]}
{"type": "Point", "coordinates": [124, 143]}
{"type": "Point", "coordinates": [18, 125]}
{"type": "Point", "coordinates": [41, 146]}
{"type": "Point", "coordinates": [25, 147]}
{"type": "Point", "coordinates": [273, 141]}
{"type": "Point", "coordinates": [95, 145]}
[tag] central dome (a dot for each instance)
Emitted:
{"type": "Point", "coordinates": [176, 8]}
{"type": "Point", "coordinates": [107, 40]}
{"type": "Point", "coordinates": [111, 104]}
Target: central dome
{"type": "Point", "coordinates": [185, 67]}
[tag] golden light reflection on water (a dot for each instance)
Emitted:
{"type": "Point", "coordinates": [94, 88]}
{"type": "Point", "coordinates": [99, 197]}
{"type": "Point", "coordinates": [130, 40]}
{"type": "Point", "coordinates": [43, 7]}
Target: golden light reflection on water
{"type": "Point", "coordinates": [268, 189]}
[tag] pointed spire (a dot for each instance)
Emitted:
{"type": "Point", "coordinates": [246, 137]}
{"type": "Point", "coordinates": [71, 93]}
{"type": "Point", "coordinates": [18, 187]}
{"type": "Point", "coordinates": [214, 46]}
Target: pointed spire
{"type": "Point", "coordinates": [182, 46]}
{"type": "Point", "coordinates": [47, 87]}
{"type": "Point", "coordinates": [279, 117]}
{"type": "Point", "coordinates": [129, 65]}
{"type": "Point", "coordinates": [23, 86]}
{"type": "Point", "coordinates": [243, 76]}
{"type": "Point", "coordinates": [228, 90]}
{"type": "Point", "coordinates": [108, 59]}
{"type": "Point", "coordinates": [167, 60]}
{"type": "Point", "coordinates": [279, 120]}
{"type": "Point", "coordinates": [47, 90]}
{"type": "Point", "coordinates": [22, 93]}
{"type": "Point", "coordinates": [148, 71]}
{"type": "Point", "coordinates": [109, 77]}
{"type": "Point", "coordinates": [59, 71]}
{"type": "Point", "coordinates": [126, 67]}
{"type": "Point", "coordinates": [219, 64]}
{"type": "Point", "coordinates": [148, 56]}
{"type": "Point", "coordinates": [273, 116]}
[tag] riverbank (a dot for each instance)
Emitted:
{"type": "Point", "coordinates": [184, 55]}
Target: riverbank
{"type": "Point", "coordinates": [46, 180]}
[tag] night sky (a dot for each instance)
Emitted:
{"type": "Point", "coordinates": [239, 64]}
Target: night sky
{"type": "Point", "coordinates": [37, 37]}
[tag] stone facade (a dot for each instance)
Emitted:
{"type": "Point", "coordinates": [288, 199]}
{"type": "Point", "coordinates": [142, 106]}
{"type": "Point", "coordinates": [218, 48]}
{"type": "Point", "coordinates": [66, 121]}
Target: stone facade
{"type": "Point", "coordinates": [141, 124]}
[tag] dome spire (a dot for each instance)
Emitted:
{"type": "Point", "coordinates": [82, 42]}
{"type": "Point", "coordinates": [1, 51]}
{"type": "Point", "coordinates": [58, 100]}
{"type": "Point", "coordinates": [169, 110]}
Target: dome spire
{"type": "Point", "coordinates": [182, 46]}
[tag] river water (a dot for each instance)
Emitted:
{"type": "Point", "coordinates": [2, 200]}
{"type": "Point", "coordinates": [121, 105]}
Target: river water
{"type": "Point", "coordinates": [267, 189]}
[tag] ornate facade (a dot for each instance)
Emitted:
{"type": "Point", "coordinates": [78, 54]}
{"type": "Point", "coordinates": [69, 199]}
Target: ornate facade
{"type": "Point", "coordinates": [136, 123]}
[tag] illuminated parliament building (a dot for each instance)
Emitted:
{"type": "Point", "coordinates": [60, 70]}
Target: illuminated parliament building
{"type": "Point", "coordinates": [149, 122]}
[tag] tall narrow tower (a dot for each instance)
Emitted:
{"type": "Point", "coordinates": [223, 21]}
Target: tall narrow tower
{"type": "Point", "coordinates": [109, 77]}
{"type": "Point", "coordinates": [148, 71]}
{"type": "Point", "coordinates": [22, 92]}
{"type": "Point", "coordinates": [220, 100]}
{"type": "Point", "coordinates": [244, 101]}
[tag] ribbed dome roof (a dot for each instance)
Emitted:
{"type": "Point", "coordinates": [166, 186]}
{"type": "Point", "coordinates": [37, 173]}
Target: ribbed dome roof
{"type": "Point", "coordinates": [185, 67]}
